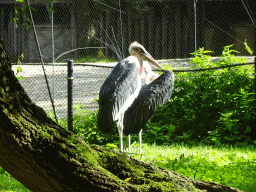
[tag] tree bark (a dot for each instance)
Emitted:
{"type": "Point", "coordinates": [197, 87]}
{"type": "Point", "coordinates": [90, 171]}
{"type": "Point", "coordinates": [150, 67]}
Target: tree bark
{"type": "Point", "coordinates": [45, 157]}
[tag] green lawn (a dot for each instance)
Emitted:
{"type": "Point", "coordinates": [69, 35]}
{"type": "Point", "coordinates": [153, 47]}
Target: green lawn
{"type": "Point", "coordinates": [8, 183]}
{"type": "Point", "coordinates": [233, 166]}
{"type": "Point", "coordinates": [95, 60]}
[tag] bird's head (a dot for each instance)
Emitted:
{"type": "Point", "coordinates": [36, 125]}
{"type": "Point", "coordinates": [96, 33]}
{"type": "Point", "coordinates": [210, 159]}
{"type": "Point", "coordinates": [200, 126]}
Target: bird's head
{"type": "Point", "coordinates": [141, 53]}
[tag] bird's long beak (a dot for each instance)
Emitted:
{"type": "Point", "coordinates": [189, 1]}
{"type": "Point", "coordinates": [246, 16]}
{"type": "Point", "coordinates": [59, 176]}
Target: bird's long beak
{"type": "Point", "coordinates": [147, 57]}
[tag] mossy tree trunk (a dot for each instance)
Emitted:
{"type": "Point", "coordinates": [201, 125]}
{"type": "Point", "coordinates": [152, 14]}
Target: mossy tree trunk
{"type": "Point", "coordinates": [45, 157]}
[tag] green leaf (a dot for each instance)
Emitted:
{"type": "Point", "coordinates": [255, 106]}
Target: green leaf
{"type": "Point", "coordinates": [208, 51]}
{"type": "Point", "coordinates": [20, 78]}
{"type": "Point", "coordinates": [110, 145]}
{"type": "Point", "coordinates": [29, 20]}
{"type": "Point", "coordinates": [52, 10]}
{"type": "Point", "coordinates": [248, 129]}
{"type": "Point", "coordinates": [127, 179]}
{"type": "Point", "coordinates": [21, 1]}
{"type": "Point", "coordinates": [248, 49]}
{"type": "Point", "coordinates": [31, 7]}
{"type": "Point", "coordinates": [19, 69]}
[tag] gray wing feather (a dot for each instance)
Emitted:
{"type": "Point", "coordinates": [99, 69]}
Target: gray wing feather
{"type": "Point", "coordinates": [148, 101]}
{"type": "Point", "coordinates": [119, 85]}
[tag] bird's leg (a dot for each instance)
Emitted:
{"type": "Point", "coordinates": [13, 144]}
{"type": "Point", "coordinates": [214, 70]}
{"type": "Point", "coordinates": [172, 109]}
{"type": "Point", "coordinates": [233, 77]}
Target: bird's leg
{"type": "Point", "coordinates": [140, 138]}
{"type": "Point", "coordinates": [121, 140]}
{"type": "Point", "coordinates": [129, 140]}
{"type": "Point", "coordinates": [120, 131]}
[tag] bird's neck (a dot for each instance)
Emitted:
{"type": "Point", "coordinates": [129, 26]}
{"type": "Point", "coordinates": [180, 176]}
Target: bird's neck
{"type": "Point", "coordinates": [140, 70]}
{"type": "Point", "coordinates": [140, 61]}
{"type": "Point", "coordinates": [138, 56]}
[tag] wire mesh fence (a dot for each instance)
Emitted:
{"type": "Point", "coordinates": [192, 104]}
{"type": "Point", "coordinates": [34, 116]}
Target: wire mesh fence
{"type": "Point", "coordinates": [88, 79]}
{"type": "Point", "coordinates": [86, 85]}
{"type": "Point", "coordinates": [168, 29]}
{"type": "Point", "coordinates": [91, 30]}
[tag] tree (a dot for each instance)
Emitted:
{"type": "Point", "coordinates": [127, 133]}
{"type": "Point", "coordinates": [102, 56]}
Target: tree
{"type": "Point", "coordinates": [45, 157]}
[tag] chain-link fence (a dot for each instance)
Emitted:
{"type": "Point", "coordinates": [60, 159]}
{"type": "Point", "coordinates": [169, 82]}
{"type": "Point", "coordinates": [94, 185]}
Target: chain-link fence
{"type": "Point", "coordinates": [168, 29]}
{"type": "Point", "coordinates": [86, 86]}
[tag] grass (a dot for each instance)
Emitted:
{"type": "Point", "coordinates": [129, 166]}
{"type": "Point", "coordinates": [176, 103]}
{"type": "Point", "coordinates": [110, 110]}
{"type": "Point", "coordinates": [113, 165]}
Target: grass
{"type": "Point", "coordinates": [98, 59]}
{"type": "Point", "coordinates": [8, 183]}
{"type": "Point", "coordinates": [229, 165]}
{"type": "Point", "coordinates": [232, 166]}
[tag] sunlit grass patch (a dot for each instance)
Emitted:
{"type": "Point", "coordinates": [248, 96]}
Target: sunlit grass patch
{"type": "Point", "coordinates": [227, 165]}
{"type": "Point", "coordinates": [9, 184]}
{"type": "Point", "coordinates": [90, 59]}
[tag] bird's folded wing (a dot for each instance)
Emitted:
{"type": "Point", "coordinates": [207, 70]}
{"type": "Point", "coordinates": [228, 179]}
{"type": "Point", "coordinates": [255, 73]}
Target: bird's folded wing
{"type": "Point", "coordinates": [148, 101]}
{"type": "Point", "coordinates": [119, 86]}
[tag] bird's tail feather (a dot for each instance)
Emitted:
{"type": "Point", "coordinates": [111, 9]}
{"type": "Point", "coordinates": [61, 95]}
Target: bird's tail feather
{"type": "Point", "coordinates": [105, 121]}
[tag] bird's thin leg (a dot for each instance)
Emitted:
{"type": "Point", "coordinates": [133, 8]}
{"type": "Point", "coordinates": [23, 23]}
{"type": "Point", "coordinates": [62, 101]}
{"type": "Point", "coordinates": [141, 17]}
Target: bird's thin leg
{"type": "Point", "coordinates": [120, 135]}
{"type": "Point", "coordinates": [120, 131]}
{"type": "Point", "coordinates": [140, 138]}
{"type": "Point", "coordinates": [121, 140]}
{"type": "Point", "coordinates": [129, 140]}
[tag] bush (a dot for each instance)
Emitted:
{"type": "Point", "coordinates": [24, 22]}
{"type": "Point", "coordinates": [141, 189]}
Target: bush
{"type": "Point", "coordinates": [215, 106]}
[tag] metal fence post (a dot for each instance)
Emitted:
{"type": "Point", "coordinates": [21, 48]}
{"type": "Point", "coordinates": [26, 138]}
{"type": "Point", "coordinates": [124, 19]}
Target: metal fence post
{"type": "Point", "coordinates": [70, 95]}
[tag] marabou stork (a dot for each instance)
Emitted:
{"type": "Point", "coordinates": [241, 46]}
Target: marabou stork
{"type": "Point", "coordinates": [121, 88]}
{"type": "Point", "coordinates": [147, 76]}
{"type": "Point", "coordinates": [151, 97]}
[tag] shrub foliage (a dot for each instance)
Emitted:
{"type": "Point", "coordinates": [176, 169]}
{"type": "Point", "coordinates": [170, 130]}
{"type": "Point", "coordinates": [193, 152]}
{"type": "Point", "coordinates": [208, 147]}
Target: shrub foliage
{"type": "Point", "coordinates": [214, 106]}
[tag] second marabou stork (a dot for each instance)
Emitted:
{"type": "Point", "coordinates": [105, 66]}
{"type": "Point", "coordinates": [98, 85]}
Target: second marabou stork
{"type": "Point", "coordinates": [147, 76]}
{"type": "Point", "coordinates": [121, 88]}
{"type": "Point", "coordinates": [151, 97]}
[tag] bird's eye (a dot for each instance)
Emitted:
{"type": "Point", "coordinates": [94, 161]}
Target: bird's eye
{"type": "Point", "coordinates": [137, 49]}
{"type": "Point", "coordinates": [142, 51]}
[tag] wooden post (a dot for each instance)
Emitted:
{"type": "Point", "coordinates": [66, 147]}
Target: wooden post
{"type": "Point", "coordinates": [157, 51]}
{"type": "Point", "coordinates": [143, 29]}
{"type": "Point", "coordinates": [130, 24]}
{"type": "Point", "coordinates": [177, 18]}
{"type": "Point", "coordinates": [137, 35]}
{"type": "Point", "coordinates": [164, 33]}
{"type": "Point", "coordinates": [125, 20]}
{"type": "Point", "coordinates": [108, 31]}
{"type": "Point", "coordinates": [191, 35]}
{"type": "Point", "coordinates": [200, 23]}
{"type": "Point", "coordinates": [171, 30]}
{"type": "Point", "coordinates": [185, 39]}
{"type": "Point", "coordinates": [151, 31]}
{"type": "Point", "coordinates": [102, 34]}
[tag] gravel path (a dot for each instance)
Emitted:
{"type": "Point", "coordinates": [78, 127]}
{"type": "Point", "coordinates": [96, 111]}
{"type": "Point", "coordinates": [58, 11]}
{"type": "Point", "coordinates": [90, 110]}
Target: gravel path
{"type": "Point", "coordinates": [87, 82]}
